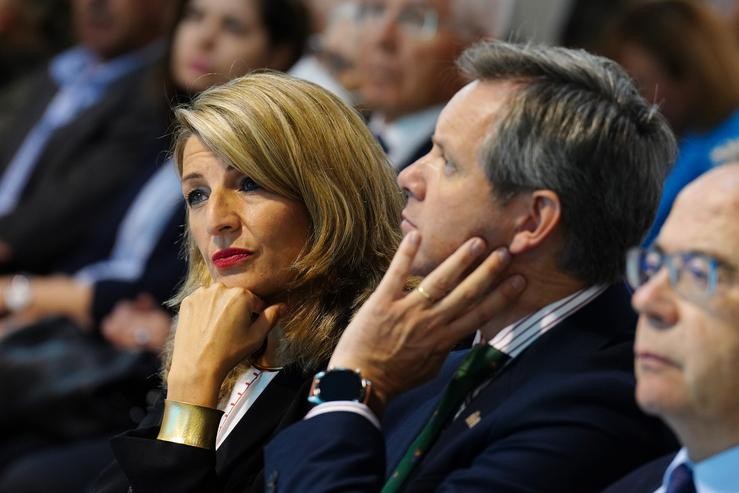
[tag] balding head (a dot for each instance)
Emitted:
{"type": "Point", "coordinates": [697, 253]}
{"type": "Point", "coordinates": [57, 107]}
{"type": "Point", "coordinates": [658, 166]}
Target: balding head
{"type": "Point", "coordinates": [687, 344]}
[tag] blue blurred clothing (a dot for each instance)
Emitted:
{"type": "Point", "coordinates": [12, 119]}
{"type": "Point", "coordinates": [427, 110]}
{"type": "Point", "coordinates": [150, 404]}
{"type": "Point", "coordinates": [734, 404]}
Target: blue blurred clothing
{"type": "Point", "coordinates": [716, 474]}
{"type": "Point", "coordinates": [694, 159]}
{"type": "Point", "coordinates": [140, 229]}
{"type": "Point", "coordinates": [82, 81]}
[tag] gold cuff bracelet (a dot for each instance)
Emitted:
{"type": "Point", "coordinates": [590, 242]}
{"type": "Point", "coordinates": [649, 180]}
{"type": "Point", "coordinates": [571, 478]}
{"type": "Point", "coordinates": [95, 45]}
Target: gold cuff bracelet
{"type": "Point", "coordinates": [190, 424]}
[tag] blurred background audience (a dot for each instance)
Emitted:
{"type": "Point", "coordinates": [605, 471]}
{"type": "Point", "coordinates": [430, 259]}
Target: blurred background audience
{"type": "Point", "coordinates": [101, 313]}
{"type": "Point", "coordinates": [88, 123]}
{"type": "Point", "coordinates": [31, 32]}
{"type": "Point", "coordinates": [90, 208]}
{"type": "Point", "coordinates": [406, 64]}
{"type": "Point", "coordinates": [684, 58]}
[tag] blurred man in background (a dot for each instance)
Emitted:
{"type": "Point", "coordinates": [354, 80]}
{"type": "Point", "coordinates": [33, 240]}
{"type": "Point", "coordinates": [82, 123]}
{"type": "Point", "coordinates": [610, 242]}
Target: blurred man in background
{"type": "Point", "coordinates": [89, 122]}
{"type": "Point", "coordinates": [406, 64]}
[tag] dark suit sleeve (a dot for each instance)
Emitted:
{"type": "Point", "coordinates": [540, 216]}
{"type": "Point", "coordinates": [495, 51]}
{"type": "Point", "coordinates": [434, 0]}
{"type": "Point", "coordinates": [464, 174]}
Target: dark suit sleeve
{"type": "Point", "coordinates": [336, 451]}
{"type": "Point", "coordinates": [153, 465]}
{"type": "Point", "coordinates": [150, 465]}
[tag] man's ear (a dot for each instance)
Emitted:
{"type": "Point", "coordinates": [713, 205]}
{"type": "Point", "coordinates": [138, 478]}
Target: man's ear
{"type": "Point", "coordinates": [540, 214]}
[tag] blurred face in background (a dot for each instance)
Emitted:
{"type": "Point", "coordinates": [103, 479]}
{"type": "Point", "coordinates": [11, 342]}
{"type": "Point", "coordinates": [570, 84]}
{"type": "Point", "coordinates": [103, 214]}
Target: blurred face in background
{"type": "Point", "coordinates": [407, 58]}
{"type": "Point", "coordinates": [111, 28]}
{"type": "Point", "coordinates": [656, 85]}
{"type": "Point", "coordinates": [218, 40]}
{"type": "Point", "coordinates": [687, 340]}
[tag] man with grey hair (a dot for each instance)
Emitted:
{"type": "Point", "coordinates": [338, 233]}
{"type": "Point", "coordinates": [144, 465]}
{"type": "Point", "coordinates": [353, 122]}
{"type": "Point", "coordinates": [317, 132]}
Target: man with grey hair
{"type": "Point", "coordinates": [552, 161]}
{"type": "Point", "coordinates": [406, 64]}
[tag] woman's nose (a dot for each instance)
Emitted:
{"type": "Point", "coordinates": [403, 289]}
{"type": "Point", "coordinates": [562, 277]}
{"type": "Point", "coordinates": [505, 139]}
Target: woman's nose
{"type": "Point", "coordinates": [222, 214]}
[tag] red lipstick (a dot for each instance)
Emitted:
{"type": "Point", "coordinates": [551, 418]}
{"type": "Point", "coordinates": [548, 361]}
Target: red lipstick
{"type": "Point", "coordinates": [229, 257]}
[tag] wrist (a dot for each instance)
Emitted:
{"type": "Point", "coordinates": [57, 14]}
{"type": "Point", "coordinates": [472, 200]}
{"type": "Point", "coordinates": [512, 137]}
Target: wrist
{"type": "Point", "coordinates": [195, 387]}
{"type": "Point", "coordinates": [189, 424]}
{"type": "Point", "coordinates": [379, 395]}
{"type": "Point", "coordinates": [346, 384]}
{"type": "Point", "coordinates": [18, 294]}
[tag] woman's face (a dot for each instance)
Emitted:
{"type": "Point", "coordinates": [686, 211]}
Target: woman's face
{"type": "Point", "coordinates": [216, 41]}
{"type": "Point", "coordinates": [247, 236]}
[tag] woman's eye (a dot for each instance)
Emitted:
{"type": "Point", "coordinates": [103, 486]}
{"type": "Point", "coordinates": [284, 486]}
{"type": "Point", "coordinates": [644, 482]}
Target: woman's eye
{"type": "Point", "coordinates": [248, 185]}
{"type": "Point", "coordinates": [194, 197]}
{"type": "Point", "coordinates": [234, 26]}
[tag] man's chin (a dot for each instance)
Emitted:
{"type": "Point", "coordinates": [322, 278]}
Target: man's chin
{"type": "Point", "coordinates": [422, 265]}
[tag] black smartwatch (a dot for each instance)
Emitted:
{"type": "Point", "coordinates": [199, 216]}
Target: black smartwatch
{"type": "Point", "coordinates": [339, 384]}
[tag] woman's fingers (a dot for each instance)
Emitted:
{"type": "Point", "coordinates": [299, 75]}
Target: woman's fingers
{"type": "Point", "coordinates": [267, 321]}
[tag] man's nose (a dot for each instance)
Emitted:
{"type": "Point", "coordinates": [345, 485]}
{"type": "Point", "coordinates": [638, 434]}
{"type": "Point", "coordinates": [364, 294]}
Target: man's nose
{"type": "Point", "coordinates": [655, 299]}
{"type": "Point", "coordinates": [412, 181]}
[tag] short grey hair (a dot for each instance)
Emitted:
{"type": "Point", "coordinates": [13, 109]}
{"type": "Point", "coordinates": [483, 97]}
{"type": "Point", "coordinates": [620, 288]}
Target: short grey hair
{"type": "Point", "coordinates": [477, 19]}
{"type": "Point", "coordinates": [577, 126]}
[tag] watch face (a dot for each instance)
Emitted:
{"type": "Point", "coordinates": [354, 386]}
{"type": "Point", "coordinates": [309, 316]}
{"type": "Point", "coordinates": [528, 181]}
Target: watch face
{"type": "Point", "coordinates": [338, 385]}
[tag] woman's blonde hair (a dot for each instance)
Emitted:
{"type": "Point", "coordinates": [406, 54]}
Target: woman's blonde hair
{"type": "Point", "coordinates": [298, 140]}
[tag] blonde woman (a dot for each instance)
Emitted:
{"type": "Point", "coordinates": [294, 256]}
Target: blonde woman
{"type": "Point", "coordinates": [292, 220]}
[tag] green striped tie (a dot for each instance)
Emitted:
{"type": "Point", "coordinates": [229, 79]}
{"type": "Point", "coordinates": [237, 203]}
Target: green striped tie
{"type": "Point", "coordinates": [481, 363]}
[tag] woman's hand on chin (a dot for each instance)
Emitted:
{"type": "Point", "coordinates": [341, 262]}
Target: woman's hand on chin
{"type": "Point", "coordinates": [215, 331]}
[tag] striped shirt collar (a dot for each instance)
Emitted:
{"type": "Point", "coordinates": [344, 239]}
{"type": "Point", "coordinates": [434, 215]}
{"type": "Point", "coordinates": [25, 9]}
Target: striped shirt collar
{"type": "Point", "coordinates": [515, 338]}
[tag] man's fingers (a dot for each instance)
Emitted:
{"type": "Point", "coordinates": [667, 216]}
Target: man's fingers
{"type": "Point", "coordinates": [486, 308]}
{"type": "Point", "coordinates": [475, 285]}
{"type": "Point", "coordinates": [446, 276]}
{"type": "Point", "coordinates": [396, 276]}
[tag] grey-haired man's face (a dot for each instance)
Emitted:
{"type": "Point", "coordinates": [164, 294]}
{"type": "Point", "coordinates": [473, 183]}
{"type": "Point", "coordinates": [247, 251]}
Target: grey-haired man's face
{"type": "Point", "coordinates": [450, 198]}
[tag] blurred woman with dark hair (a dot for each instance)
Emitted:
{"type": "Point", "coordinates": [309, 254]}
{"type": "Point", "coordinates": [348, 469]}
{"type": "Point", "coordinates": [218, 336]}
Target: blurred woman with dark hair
{"type": "Point", "coordinates": [684, 58]}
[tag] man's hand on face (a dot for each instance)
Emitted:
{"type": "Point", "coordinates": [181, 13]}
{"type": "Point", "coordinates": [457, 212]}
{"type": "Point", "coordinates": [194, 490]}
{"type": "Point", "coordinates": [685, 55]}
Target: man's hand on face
{"type": "Point", "coordinates": [399, 339]}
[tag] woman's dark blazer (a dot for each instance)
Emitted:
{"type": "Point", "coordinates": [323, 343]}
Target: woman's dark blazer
{"type": "Point", "coordinates": [146, 464]}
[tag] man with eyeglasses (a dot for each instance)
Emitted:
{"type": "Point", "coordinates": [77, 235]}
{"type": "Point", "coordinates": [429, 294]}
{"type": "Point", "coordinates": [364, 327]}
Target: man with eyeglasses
{"type": "Point", "coordinates": [406, 64]}
{"type": "Point", "coordinates": [548, 164]}
{"type": "Point", "coordinates": [687, 341]}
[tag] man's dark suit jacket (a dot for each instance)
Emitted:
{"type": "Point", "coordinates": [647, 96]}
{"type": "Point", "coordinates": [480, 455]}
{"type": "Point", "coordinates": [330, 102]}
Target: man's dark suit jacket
{"type": "Point", "coordinates": [561, 417]}
{"type": "Point", "coordinates": [83, 165]}
{"type": "Point", "coordinates": [646, 479]}
{"type": "Point", "coordinates": [150, 465]}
